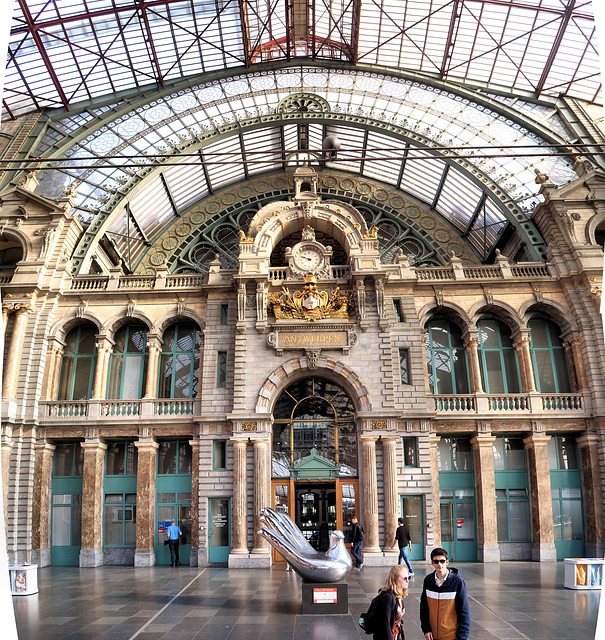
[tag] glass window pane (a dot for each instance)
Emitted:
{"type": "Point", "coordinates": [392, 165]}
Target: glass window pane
{"type": "Point", "coordinates": [500, 494]}
{"type": "Point", "coordinates": [65, 379]}
{"type": "Point", "coordinates": [517, 493]}
{"type": "Point", "coordinates": [498, 450]}
{"type": "Point", "coordinates": [409, 452]}
{"type": "Point", "coordinates": [133, 374]}
{"type": "Point", "coordinates": [573, 524]}
{"type": "Point", "coordinates": [220, 454]}
{"type": "Point", "coordinates": [130, 526]}
{"type": "Point", "coordinates": [182, 376]}
{"type": "Point", "coordinates": [562, 371]}
{"type": "Point", "coordinates": [465, 494]}
{"type": "Point", "coordinates": [444, 454]}
{"type": "Point", "coordinates": [515, 453]}
{"type": "Point", "coordinates": [184, 496]}
{"type": "Point", "coordinates": [545, 371]}
{"type": "Point", "coordinates": [446, 522]}
{"type": "Point", "coordinates": [112, 525]}
{"type": "Point", "coordinates": [184, 457]}
{"type": "Point", "coordinates": [64, 459]}
{"type": "Point", "coordinates": [460, 370]}
{"type": "Point", "coordinates": [502, 515]}
{"type": "Point", "coordinates": [131, 498]}
{"type": "Point", "coordinates": [571, 493]}
{"type": "Point", "coordinates": [115, 458]}
{"type": "Point", "coordinates": [165, 497]}
{"type": "Point", "coordinates": [219, 520]}
{"type": "Point", "coordinates": [76, 526]}
{"type": "Point", "coordinates": [512, 371]}
{"type": "Point", "coordinates": [166, 375]}
{"type": "Point", "coordinates": [115, 376]}
{"type": "Point", "coordinates": [61, 527]}
{"type": "Point", "coordinates": [82, 378]}
{"type": "Point", "coordinates": [167, 457]}
{"type": "Point", "coordinates": [463, 454]}
{"type": "Point", "coordinates": [556, 518]}
{"type": "Point", "coordinates": [553, 462]}
{"type": "Point", "coordinates": [444, 382]}
{"type": "Point", "coordinates": [493, 371]}
{"type": "Point", "coordinates": [465, 521]}
{"type": "Point", "coordinates": [132, 458]}
{"type": "Point", "coordinates": [519, 520]}
{"type": "Point", "coordinates": [568, 453]}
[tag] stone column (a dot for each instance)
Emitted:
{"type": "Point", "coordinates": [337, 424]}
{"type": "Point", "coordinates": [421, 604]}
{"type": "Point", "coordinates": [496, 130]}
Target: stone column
{"type": "Point", "coordinates": [53, 384]}
{"type": "Point", "coordinates": [154, 348]}
{"type": "Point", "coordinates": [13, 358]}
{"type": "Point", "coordinates": [543, 537]}
{"type": "Point", "coordinates": [577, 370]}
{"type": "Point", "coordinates": [41, 504]}
{"type": "Point", "coordinates": [239, 508]}
{"type": "Point", "coordinates": [521, 344]}
{"type": "Point", "coordinates": [201, 367]}
{"type": "Point", "coordinates": [144, 555]}
{"type": "Point", "coordinates": [4, 318]}
{"type": "Point", "coordinates": [91, 554]}
{"type": "Point", "coordinates": [472, 351]}
{"type": "Point", "coordinates": [488, 549]}
{"type": "Point", "coordinates": [436, 522]}
{"type": "Point", "coordinates": [370, 495]}
{"type": "Point", "coordinates": [391, 490]}
{"type": "Point", "coordinates": [195, 500]}
{"type": "Point", "coordinates": [594, 537]}
{"type": "Point", "coordinates": [7, 445]}
{"type": "Point", "coordinates": [104, 349]}
{"type": "Point", "coordinates": [261, 497]}
{"type": "Point", "coordinates": [54, 353]}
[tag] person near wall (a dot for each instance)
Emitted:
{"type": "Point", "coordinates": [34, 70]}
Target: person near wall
{"type": "Point", "coordinates": [357, 538]}
{"type": "Point", "coordinates": [173, 534]}
{"type": "Point", "coordinates": [390, 608]}
{"type": "Point", "coordinates": [403, 538]}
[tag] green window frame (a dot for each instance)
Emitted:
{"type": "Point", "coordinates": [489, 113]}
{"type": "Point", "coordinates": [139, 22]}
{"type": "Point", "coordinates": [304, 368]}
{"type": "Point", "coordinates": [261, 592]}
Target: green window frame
{"type": "Point", "coordinates": [399, 317]}
{"type": "Point", "coordinates": [509, 454]}
{"type": "Point", "coordinates": [410, 452]}
{"type": "Point", "coordinates": [563, 453]}
{"type": "Point", "coordinates": [404, 366]}
{"type": "Point", "coordinates": [174, 457]}
{"type": "Point", "coordinates": [221, 370]}
{"type": "Point", "coordinates": [568, 518]}
{"type": "Point", "coordinates": [128, 363]}
{"type": "Point", "coordinates": [224, 314]}
{"type": "Point", "coordinates": [549, 358]}
{"type": "Point", "coordinates": [219, 455]}
{"type": "Point", "coordinates": [446, 358]}
{"type": "Point", "coordinates": [498, 359]}
{"type": "Point", "coordinates": [78, 364]}
{"type": "Point", "coordinates": [178, 374]}
{"type": "Point", "coordinates": [120, 520]}
{"type": "Point", "coordinates": [455, 454]}
{"type": "Point", "coordinates": [513, 517]}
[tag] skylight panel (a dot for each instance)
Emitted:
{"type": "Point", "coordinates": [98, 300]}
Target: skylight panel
{"type": "Point", "coordinates": [487, 227]}
{"type": "Point", "coordinates": [127, 238]}
{"type": "Point", "coordinates": [458, 198]}
{"type": "Point", "coordinates": [224, 162]}
{"type": "Point", "coordinates": [351, 141]}
{"type": "Point", "coordinates": [421, 176]}
{"type": "Point", "coordinates": [186, 181]}
{"type": "Point", "coordinates": [388, 153]}
{"type": "Point", "coordinates": [151, 207]}
{"type": "Point", "coordinates": [262, 150]}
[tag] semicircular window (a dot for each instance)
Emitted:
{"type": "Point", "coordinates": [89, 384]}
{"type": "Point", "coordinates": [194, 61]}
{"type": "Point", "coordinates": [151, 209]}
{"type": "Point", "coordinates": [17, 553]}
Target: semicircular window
{"type": "Point", "coordinates": [314, 413]}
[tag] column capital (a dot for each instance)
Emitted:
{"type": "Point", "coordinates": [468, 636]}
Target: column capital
{"type": "Point", "coordinates": [391, 439]}
{"type": "Point", "coordinates": [536, 440]}
{"type": "Point", "coordinates": [483, 440]}
{"type": "Point", "coordinates": [146, 445]}
{"type": "Point", "coordinates": [369, 438]}
{"type": "Point", "coordinates": [93, 447]}
{"type": "Point", "coordinates": [44, 447]}
{"type": "Point", "coordinates": [587, 440]}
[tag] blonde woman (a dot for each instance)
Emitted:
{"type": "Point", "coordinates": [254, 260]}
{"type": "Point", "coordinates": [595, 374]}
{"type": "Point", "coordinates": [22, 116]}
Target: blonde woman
{"type": "Point", "coordinates": [389, 615]}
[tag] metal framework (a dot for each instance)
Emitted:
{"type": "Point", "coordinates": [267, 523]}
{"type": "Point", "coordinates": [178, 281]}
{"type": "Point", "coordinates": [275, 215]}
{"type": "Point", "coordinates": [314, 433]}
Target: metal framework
{"type": "Point", "coordinates": [62, 53]}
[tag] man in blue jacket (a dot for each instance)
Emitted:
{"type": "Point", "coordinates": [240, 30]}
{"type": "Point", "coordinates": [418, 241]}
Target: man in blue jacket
{"type": "Point", "coordinates": [173, 533]}
{"type": "Point", "coordinates": [444, 611]}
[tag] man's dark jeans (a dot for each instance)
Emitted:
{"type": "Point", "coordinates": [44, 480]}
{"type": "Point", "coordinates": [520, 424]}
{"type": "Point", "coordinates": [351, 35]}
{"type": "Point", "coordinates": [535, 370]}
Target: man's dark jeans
{"type": "Point", "coordinates": [174, 551]}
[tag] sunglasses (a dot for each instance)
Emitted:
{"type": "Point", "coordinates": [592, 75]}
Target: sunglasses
{"type": "Point", "coordinates": [439, 561]}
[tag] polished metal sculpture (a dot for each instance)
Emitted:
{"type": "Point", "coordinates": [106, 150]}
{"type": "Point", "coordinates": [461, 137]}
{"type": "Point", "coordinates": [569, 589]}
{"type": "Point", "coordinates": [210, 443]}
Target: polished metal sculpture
{"type": "Point", "coordinates": [313, 566]}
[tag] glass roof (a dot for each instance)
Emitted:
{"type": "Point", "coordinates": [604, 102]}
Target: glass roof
{"type": "Point", "coordinates": [142, 167]}
{"type": "Point", "coordinates": [64, 52]}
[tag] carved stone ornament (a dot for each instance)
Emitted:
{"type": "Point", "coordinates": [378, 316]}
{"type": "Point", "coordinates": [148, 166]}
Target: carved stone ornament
{"type": "Point", "coordinates": [313, 357]}
{"type": "Point", "coordinates": [351, 338]}
{"type": "Point", "coordinates": [249, 426]}
{"type": "Point", "coordinates": [308, 233]}
{"type": "Point", "coordinates": [311, 304]}
{"type": "Point", "coordinates": [378, 424]}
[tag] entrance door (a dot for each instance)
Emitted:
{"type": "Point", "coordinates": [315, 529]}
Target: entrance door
{"type": "Point", "coordinates": [181, 513]}
{"type": "Point", "coordinates": [219, 536]}
{"type": "Point", "coordinates": [458, 535]}
{"type": "Point", "coordinates": [411, 512]}
{"type": "Point", "coordinates": [66, 529]}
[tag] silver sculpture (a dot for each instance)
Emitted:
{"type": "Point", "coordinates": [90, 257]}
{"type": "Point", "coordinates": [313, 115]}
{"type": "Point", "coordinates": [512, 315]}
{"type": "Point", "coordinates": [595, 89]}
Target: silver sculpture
{"type": "Point", "coordinates": [313, 566]}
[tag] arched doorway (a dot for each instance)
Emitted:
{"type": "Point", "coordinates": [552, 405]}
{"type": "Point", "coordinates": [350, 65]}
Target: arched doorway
{"type": "Point", "coordinates": [314, 459]}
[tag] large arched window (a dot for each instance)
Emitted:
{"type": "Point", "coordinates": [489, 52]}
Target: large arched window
{"type": "Point", "coordinates": [548, 357]}
{"type": "Point", "coordinates": [497, 358]}
{"type": "Point", "coordinates": [179, 362]}
{"type": "Point", "coordinates": [78, 364]}
{"type": "Point", "coordinates": [446, 358]}
{"type": "Point", "coordinates": [128, 363]}
{"type": "Point", "coordinates": [314, 413]}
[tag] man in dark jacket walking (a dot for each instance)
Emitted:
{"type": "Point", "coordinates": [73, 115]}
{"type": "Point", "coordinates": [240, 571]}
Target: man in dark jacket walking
{"type": "Point", "coordinates": [403, 538]}
{"type": "Point", "coordinates": [357, 538]}
{"type": "Point", "coordinates": [444, 611]}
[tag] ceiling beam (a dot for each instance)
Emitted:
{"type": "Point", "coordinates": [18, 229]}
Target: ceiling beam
{"type": "Point", "coordinates": [149, 42]}
{"type": "Point", "coordinates": [449, 43]}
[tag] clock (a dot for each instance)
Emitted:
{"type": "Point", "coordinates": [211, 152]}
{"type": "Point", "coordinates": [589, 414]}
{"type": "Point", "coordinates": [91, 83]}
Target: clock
{"type": "Point", "coordinates": [308, 259]}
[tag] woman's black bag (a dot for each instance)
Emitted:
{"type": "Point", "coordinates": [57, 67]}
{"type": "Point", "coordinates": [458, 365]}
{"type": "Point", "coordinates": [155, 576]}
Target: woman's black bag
{"type": "Point", "coordinates": [367, 620]}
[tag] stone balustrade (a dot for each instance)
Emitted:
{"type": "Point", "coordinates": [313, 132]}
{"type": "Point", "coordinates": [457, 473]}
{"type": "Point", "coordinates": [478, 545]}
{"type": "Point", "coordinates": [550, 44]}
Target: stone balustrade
{"type": "Point", "coordinates": [494, 404]}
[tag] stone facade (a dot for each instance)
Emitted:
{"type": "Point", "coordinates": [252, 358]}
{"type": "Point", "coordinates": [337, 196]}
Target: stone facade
{"type": "Point", "coordinates": [358, 350]}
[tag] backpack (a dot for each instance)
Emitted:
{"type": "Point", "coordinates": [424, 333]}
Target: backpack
{"type": "Point", "coordinates": [362, 534]}
{"type": "Point", "coordinates": [367, 620]}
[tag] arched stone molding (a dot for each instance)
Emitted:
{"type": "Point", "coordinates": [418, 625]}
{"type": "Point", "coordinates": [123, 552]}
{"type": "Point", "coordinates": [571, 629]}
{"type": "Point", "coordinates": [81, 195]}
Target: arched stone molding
{"type": "Point", "coordinates": [592, 224]}
{"type": "Point", "coordinates": [278, 220]}
{"type": "Point", "coordinates": [447, 310]}
{"type": "Point", "coordinates": [62, 327]}
{"type": "Point", "coordinates": [170, 318]}
{"type": "Point", "coordinates": [12, 233]}
{"type": "Point", "coordinates": [298, 368]}
{"type": "Point", "coordinates": [119, 320]}
{"type": "Point", "coordinates": [555, 312]}
{"type": "Point", "coordinates": [499, 310]}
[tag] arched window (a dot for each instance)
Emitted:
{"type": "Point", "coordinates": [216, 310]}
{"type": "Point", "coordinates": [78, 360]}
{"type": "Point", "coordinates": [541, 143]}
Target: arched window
{"type": "Point", "coordinates": [497, 358]}
{"type": "Point", "coordinates": [446, 358]}
{"type": "Point", "coordinates": [78, 364]}
{"type": "Point", "coordinates": [179, 362]}
{"type": "Point", "coordinates": [548, 357]}
{"type": "Point", "coordinates": [128, 363]}
{"type": "Point", "coordinates": [11, 252]}
{"type": "Point", "coordinates": [314, 413]}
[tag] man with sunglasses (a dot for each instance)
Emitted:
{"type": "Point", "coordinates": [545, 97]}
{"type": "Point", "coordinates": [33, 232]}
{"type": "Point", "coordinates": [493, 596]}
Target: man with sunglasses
{"type": "Point", "coordinates": [444, 611]}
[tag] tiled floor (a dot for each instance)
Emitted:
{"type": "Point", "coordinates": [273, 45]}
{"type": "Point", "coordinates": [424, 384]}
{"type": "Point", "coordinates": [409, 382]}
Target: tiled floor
{"type": "Point", "coordinates": [508, 601]}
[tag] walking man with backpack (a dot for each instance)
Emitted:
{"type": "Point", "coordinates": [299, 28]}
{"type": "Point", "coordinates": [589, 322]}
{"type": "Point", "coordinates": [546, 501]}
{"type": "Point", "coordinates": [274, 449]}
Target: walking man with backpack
{"type": "Point", "coordinates": [357, 537]}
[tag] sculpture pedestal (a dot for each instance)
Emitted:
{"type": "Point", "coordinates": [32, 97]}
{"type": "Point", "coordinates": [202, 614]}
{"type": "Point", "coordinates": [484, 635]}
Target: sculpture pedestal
{"type": "Point", "coordinates": [325, 597]}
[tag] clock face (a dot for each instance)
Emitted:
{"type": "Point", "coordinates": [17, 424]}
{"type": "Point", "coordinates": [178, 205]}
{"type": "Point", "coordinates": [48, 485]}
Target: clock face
{"type": "Point", "coordinates": [308, 259]}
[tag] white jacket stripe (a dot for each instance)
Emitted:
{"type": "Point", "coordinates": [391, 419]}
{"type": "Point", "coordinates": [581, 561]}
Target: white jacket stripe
{"type": "Point", "coordinates": [441, 595]}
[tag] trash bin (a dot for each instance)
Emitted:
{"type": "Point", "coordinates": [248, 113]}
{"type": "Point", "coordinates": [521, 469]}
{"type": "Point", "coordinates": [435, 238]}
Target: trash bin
{"type": "Point", "coordinates": [584, 573]}
{"type": "Point", "coordinates": [23, 579]}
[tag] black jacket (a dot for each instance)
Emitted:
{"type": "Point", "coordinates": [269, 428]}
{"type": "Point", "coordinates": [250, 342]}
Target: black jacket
{"type": "Point", "coordinates": [386, 617]}
{"type": "Point", "coordinates": [356, 535]}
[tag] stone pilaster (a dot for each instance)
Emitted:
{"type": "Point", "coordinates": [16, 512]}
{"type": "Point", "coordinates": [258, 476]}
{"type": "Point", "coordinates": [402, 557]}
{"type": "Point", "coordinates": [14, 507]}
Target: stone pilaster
{"type": "Point", "coordinates": [239, 507]}
{"type": "Point", "coordinates": [41, 504]}
{"type": "Point", "coordinates": [104, 348]}
{"type": "Point", "coordinates": [261, 497]}
{"type": "Point", "coordinates": [7, 445]}
{"type": "Point", "coordinates": [485, 499]}
{"type": "Point", "coordinates": [521, 344]}
{"type": "Point", "coordinates": [13, 358]}
{"type": "Point", "coordinates": [195, 496]}
{"type": "Point", "coordinates": [575, 361]}
{"type": "Point", "coordinates": [4, 318]}
{"type": "Point", "coordinates": [53, 387]}
{"type": "Point", "coordinates": [472, 351]}
{"type": "Point", "coordinates": [144, 555]}
{"type": "Point", "coordinates": [594, 536]}
{"type": "Point", "coordinates": [436, 521]}
{"type": "Point", "coordinates": [370, 496]}
{"type": "Point", "coordinates": [54, 353]}
{"type": "Point", "coordinates": [91, 553]}
{"type": "Point", "coordinates": [391, 490]}
{"type": "Point", "coordinates": [154, 348]}
{"type": "Point", "coordinates": [543, 537]}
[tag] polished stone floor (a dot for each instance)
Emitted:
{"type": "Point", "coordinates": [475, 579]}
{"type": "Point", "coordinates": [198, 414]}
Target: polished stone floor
{"type": "Point", "coordinates": [508, 601]}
